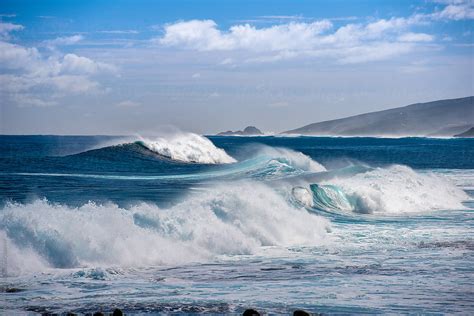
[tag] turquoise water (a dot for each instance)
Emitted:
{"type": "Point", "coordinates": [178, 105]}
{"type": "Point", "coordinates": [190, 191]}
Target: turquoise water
{"type": "Point", "coordinates": [188, 224]}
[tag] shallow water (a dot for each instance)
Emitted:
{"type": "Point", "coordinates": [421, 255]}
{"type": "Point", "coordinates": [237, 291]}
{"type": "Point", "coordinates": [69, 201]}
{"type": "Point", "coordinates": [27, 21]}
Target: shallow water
{"type": "Point", "coordinates": [331, 225]}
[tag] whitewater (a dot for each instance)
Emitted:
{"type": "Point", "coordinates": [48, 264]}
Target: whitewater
{"type": "Point", "coordinates": [187, 223]}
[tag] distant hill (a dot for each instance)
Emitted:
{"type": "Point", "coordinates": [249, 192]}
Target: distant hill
{"type": "Point", "coordinates": [437, 118]}
{"type": "Point", "coordinates": [248, 131]}
{"type": "Point", "coordinates": [468, 133]}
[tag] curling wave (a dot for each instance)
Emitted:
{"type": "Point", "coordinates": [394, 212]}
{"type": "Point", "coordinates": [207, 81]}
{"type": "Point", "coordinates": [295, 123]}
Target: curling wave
{"type": "Point", "coordinates": [187, 147]}
{"type": "Point", "coordinates": [395, 189]}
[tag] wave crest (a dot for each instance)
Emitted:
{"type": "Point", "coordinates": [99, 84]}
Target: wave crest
{"type": "Point", "coordinates": [187, 147]}
{"type": "Point", "coordinates": [396, 189]}
{"type": "Point", "coordinates": [292, 158]}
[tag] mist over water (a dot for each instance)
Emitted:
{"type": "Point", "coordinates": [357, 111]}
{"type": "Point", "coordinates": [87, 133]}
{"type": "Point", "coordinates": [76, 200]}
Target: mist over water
{"type": "Point", "coordinates": [222, 223]}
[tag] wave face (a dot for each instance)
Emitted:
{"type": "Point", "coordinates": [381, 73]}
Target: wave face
{"type": "Point", "coordinates": [223, 220]}
{"type": "Point", "coordinates": [392, 190]}
{"type": "Point", "coordinates": [187, 147]}
{"type": "Point", "coordinates": [291, 158]}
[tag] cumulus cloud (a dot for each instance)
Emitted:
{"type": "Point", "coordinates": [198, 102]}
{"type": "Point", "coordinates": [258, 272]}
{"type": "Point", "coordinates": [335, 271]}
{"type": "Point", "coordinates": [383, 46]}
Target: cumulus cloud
{"type": "Point", "coordinates": [37, 79]}
{"type": "Point", "coordinates": [203, 35]}
{"type": "Point", "coordinates": [16, 57]}
{"type": "Point", "coordinates": [380, 39]}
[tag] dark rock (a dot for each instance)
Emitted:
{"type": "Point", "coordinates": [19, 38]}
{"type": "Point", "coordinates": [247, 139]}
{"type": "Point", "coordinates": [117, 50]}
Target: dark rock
{"type": "Point", "coordinates": [250, 312]}
{"type": "Point", "coordinates": [252, 130]}
{"type": "Point", "coordinates": [13, 290]}
{"type": "Point", "coordinates": [300, 312]}
{"type": "Point", "coordinates": [99, 314]}
{"type": "Point", "coordinates": [117, 312]}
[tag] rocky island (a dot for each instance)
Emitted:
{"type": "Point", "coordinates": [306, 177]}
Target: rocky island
{"type": "Point", "coordinates": [248, 131]}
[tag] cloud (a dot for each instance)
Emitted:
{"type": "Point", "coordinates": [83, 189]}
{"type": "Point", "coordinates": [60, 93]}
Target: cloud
{"type": "Point", "coordinates": [63, 41]}
{"type": "Point", "coordinates": [203, 35]}
{"type": "Point", "coordinates": [119, 32]}
{"type": "Point", "coordinates": [377, 40]}
{"type": "Point", "coordinates": [374, 52]}
{"type": "Point", "coordinates": [282, 17]}
{"type": "Point", "coordinates": [74, 84]}
{"type": "Point", "coordinates": [415, 37]}
{"type": "Point", "coordinates": [30, 77]}
{"type": "Point", "coordinates": [14, 56]}
{"type": "Point", "coordinates": [6, 28]}
{"type": "Point", "coordinates": [279, 104]}
{"type": "Point", "coordinates": [227, 61]}
{"type": "Point", "coordinates": [455, 10]}
{"type": "Point", "coordinates": [29, 60]}
{"type": "Point", "coordinates": [75, 64]}
{"type": "Point", "coordinates": [128, 104]}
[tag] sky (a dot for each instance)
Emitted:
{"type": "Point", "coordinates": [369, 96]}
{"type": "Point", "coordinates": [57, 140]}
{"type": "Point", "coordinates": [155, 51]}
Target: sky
{"type": "Point", "coordinates": [134, 67]}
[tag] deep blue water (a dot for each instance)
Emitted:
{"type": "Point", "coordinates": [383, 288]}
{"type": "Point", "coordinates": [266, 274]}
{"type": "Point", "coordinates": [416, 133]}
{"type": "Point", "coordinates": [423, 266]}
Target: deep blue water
{"type": "Point", "coordinates": [332, 225]}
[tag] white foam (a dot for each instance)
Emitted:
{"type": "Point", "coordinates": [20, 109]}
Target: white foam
{"type": "Point", "coordinates": [399, 189]}
{"type": "Point", "coordinates": [303, 196]}
{"type": "Point", "coordinates": [188, 147]}
{"type": "Point", "coordinates": [16, 259]}
{"type": "Point", "coordinates": [225, 220]}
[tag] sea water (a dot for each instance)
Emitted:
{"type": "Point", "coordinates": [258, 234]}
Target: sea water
{"type": "Point", "coordinates": [189, 224]}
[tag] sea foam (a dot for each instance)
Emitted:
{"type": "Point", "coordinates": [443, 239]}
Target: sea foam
{"type": "Point", "coordinates": [224, 220]}
{"type": "Point", "coordinates": [398, 189]}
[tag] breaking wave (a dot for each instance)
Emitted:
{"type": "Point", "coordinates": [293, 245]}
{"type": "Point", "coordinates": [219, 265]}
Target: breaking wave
{"type": "Point", "coordinates": [187, 147]}
{"type": "Point", "coordinates": [223, 220]}
{"type": "Point", "coordinates": [392, 190]}
{"type": "Point", "coordinates": [268, 199]}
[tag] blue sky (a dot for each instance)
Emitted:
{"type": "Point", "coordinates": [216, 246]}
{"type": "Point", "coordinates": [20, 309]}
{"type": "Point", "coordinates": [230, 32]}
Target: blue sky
{"type": "Point", "coordinates": [125, 67]}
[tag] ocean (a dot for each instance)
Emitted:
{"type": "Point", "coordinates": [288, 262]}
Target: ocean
{"type": "Point", "coordinates": [187, 224]}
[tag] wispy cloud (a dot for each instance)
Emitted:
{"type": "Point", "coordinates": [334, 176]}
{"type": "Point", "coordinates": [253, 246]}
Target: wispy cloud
{"type": "Point", "coordinates": [415, 37]}
{"type": "Point", "coordinates": [279, 19]}
{"type": "Point", "coordinates": [455, 10]}
{"type": "Point", "coordinates": [128, 104]}
{"type": "Point", "coordinates": [7, 28]}
{"type": "Point", "coordinates": [119, 32]}
{"type": "Point", "coordinates": [65, 40]}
